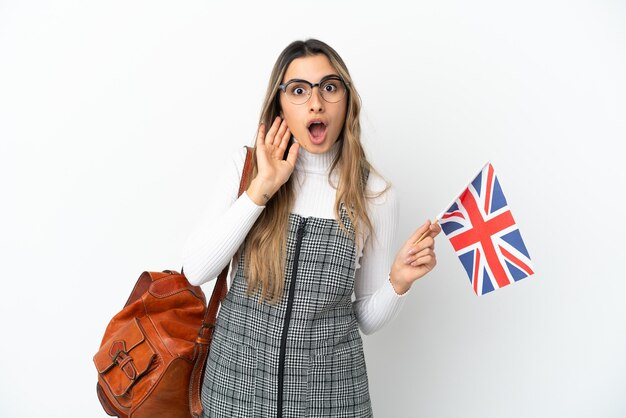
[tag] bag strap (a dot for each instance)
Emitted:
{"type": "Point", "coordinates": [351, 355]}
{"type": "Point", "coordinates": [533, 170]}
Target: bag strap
{"type": "Point", "coordinates": [205, 334]}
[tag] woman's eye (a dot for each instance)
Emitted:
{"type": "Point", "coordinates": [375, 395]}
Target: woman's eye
{"type": "Point", "coordinates": [330, 87]}
{"type": "Point", "coordinates": [298, 90]}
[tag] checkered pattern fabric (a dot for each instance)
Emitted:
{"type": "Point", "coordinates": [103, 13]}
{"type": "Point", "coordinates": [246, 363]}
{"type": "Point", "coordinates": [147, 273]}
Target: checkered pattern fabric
{"type": "Point", "coordinates": [325, 374]}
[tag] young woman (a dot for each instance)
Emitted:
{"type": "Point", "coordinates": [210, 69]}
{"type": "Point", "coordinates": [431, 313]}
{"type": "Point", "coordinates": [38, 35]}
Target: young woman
{"type": "Point", "coordinates": [311, 244]}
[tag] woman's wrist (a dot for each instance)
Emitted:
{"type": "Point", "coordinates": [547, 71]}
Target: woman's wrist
{"type": "Point", "coordinates": [399, 287]}
{"type": "Point", "coordinates": [260, 191]}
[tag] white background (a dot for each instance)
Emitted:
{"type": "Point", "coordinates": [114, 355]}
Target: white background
{"type": "Point", "coordinates": [115, 115]}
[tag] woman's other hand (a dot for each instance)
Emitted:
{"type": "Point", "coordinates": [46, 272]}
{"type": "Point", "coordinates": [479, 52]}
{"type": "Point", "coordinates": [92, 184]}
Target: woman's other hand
{"type": "Point", "coordinates": [413, 261]}
{"type": "Point", "coordinates": [272, 170]}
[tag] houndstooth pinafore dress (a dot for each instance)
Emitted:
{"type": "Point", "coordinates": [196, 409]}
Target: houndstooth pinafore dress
{"type": "Point", "coordinates": [302, 357]}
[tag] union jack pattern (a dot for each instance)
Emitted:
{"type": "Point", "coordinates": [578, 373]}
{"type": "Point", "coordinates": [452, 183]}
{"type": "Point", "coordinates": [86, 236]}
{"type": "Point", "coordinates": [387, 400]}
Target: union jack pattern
{"type": "Point", "coordinates": [481, 228]}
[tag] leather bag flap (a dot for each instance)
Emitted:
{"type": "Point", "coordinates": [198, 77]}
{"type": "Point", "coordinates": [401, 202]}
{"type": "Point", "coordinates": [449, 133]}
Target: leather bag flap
{"type": "Point", "coordinates": [171, 285]}
{"type": "Point", "coordinates": [124, 358]}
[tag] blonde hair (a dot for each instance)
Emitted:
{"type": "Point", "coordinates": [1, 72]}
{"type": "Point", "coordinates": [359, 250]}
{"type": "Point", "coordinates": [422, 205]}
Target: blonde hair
{"type": "Point", "coordinates": [265, 245]}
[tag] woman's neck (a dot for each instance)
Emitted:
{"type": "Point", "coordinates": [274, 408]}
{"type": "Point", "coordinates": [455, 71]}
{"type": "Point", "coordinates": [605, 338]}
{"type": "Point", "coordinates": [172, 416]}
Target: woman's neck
{"type": "Point", "coordinates": [316, 163]}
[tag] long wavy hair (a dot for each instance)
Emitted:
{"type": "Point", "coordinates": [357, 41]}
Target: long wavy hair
{"type": "Point", "coordinates": [265, 245]}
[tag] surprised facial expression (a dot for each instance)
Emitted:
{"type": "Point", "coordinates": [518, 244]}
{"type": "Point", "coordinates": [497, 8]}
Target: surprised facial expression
{"type": "Point", "coordinates": [317, 123]}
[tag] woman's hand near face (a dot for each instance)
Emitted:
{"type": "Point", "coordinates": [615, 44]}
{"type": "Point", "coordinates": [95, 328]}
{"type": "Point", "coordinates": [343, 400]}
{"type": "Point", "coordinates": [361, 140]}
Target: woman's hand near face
{"type": "Point", "coordinates": [273, 171]}
{"type": "Point", "coordinates": [413, 261]}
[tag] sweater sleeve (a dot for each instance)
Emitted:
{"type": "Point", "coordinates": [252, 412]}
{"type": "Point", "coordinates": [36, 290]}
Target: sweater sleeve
{"type": "Point", "coordinates": [376, 302]}
{"type": "Point", "coordinates": [223, 226]}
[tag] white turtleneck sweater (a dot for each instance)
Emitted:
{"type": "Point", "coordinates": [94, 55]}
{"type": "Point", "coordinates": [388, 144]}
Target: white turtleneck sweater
{"type": "Point", "coordinates": [228, 219]}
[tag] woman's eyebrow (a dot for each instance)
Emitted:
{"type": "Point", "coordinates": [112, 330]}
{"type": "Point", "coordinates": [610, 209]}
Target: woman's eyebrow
{"type": "Point", "coordinates": [302, 79]}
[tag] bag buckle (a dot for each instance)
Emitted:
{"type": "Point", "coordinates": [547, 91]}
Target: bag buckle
{"type": "Point", "coordinates": [120, 356]}
{"type": "Point", "coordinates": [204, 337]}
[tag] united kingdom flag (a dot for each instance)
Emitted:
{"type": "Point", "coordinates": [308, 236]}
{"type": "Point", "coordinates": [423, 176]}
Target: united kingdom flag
{"type": "Point", "coordinates": [481, 228]}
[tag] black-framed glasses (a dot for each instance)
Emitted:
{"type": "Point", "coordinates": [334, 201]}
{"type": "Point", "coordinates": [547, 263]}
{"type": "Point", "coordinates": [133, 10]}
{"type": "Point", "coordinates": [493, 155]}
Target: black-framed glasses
{"type": "Point", "coordinates": [332, 89]}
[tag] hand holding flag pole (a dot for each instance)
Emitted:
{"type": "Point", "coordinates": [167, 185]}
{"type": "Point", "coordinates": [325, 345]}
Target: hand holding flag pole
{"type": "Point", "coordinates": [426, 233]}
{"type": "Point", "coordinates": [414, 260]}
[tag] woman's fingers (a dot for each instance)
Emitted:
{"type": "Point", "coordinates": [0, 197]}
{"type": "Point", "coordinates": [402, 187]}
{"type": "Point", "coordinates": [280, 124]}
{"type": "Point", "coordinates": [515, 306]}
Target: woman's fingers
{"type": "Point", "coordinates": [281, 144]}
{"type": "Point", "coordinates": [435, 229]}
{"type": "Point", "coordinates": [271, 147]}
{"type": "Point", "coordinates": [268, 133]}
{"type": "Point", "coordinates": [266, 139]}
{"type": "Point", "coordinates": [284, 140]}
{"type": "Point", "coordinates": [428, 242]}
{"type": "Point", "coordinates": [276, 140]}
{"type": "Point", "coordinates": [270, 138]}
{"type": "Point", "coordinates": [293, 154]}
{"type": "Point", "coordinates": [278, 136]}
{"type": "Point", "coordinates": [415, 257]}
{"type": "Point", "coordinates": [428, 261]}
{"type": "Point", "coordinates": [423, 253]}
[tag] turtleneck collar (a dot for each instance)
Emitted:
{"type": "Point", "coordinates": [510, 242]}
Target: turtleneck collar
{"type": "Point", "coordinates": [316, 163]}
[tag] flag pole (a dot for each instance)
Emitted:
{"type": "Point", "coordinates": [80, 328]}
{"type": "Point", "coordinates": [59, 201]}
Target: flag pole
{"type": "Point", "coordinates": [425, 234]}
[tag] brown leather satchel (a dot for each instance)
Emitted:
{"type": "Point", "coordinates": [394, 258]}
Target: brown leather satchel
{"type": "Point", "coordinates": [153, 354]}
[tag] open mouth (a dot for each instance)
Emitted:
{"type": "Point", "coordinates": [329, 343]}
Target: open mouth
{"type": "Point", "coordinates": [317, 132]}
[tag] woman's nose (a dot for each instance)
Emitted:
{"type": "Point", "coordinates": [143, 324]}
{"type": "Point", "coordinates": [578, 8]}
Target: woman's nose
{"type": "Point", "coordinates": [316, 102]}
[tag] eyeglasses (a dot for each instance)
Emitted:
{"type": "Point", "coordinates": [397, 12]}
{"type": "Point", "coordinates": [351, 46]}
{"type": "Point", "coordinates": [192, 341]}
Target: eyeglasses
{"type": "Point", "coordinates": [332, 89]}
